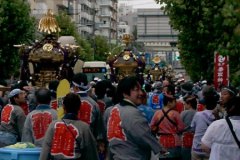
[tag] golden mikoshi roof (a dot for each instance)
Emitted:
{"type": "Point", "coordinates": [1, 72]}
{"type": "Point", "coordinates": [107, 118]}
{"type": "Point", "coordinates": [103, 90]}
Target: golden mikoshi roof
{"type": "Point", "coordinates": [48, 23]}
{"type": "Point", "coordinates": [127, 39]}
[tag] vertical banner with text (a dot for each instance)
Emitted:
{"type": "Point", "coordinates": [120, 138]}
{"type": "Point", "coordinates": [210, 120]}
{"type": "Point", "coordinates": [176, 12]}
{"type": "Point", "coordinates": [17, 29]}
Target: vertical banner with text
{"type": "Point", "coordinates": [221, 70]}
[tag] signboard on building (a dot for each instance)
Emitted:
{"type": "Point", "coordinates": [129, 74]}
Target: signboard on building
{"type": "Point", "coordinates": [221, 70]}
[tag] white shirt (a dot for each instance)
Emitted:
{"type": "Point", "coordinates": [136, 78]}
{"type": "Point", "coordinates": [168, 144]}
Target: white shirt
{"type": "Point", "coordinates": [219, 138]}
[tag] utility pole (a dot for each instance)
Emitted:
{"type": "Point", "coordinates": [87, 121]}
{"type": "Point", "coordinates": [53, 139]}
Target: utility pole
{"type": "Point", "coordinates": [93, 32]}
{"type": "Point", "coordinates": [94, 29]}
{"type": "Point", "coordinates": [110, 29]}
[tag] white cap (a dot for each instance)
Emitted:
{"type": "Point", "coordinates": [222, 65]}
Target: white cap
{"type": "Point", "coordinates": [15, 92]}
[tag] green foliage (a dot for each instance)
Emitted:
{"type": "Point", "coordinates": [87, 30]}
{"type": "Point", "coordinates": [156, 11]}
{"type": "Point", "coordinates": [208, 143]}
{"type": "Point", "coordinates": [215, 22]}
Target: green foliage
{"type": "Point", "coordinates": [16, 27]}
{"type": "Point", "coordinates": [102, 48]}
{"type": "Point", "coordinates": [92, 48]}
{"type": "Point", "coordinates": [205, 27]}
{"type": "Point", "coordinates": [85, 49]}
{"type": "Point", "coordinates": [68, 28]}
{"type": "Point", "coordinates": [115, 49]}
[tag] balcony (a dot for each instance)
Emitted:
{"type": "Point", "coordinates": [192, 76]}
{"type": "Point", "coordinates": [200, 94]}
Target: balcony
{"type": "Point", "coordinates": [85, 29]}
{"type": "Point", "coordinates": [107, 25]}
{"type": "Point", "coordinates": [106, 14]}
{"type": "Point", "coordinates": [112, 5]}
{"type": "Point", "coordinates": [87, 3]}
{"type": "Point", "coordinates": [106, 3]}
{"type": "Point", "coordinates": [85, 15]}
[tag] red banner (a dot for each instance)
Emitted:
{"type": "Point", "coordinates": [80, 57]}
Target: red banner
{"type": "Point", "coordinates": [221, 70]}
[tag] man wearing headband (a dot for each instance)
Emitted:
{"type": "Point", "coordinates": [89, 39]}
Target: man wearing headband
{"type": "Point", "coordinates": [227, 93]}
{"type": "Point", "coordinates": [89, 111]}
{"type": "Point", "coordinates": [167, 123]}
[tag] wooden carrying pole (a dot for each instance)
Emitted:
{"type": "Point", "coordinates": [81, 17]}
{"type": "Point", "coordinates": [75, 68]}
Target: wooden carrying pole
{"type": "Point", "coordinates": [5, 89]}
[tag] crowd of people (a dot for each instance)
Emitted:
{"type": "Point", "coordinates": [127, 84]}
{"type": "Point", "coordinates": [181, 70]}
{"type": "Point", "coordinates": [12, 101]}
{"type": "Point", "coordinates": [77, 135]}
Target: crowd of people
{"type": "Point", "coordinates": [129, 121]}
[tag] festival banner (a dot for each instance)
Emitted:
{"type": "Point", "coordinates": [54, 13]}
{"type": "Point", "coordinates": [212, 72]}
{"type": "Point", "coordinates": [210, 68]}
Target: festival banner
{"type": "Point", "coordinates": [221, 70]}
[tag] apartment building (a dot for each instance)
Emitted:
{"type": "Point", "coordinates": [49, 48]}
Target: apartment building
{"type": "Point", "coordinates": [123, 28]}
{"type": "Point", "coordinates": [82, 12]}
{"type": "Point", "coordinates": [40, 7]}
{"type": "Point", "coordinates": [124, 9]}
{"type": "Point", "coordinates": [130, 19]}
{"type": "Point", "coordinates": [108, 19]}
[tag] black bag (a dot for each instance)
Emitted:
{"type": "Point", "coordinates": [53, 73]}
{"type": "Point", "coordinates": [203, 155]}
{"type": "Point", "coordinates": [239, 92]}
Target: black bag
{"type": "Point", "coordinates": [232, 131]}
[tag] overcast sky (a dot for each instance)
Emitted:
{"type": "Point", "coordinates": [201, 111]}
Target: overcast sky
{"type": "Point", "coordinates": [141, 3]}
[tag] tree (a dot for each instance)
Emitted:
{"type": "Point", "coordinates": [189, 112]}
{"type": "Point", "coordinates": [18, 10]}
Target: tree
{"type": "Point", "coordinates": [102, 47]}
{"type": "Point", "coordinates": [91, 48]}
{"type": "Point", "coordinates": [115, 49]}
{"type": "Point", "coordinates": [68, 28]}
{"type": "Point", "coordinates": [204, 28]}
{"type": "Point", "coordinates": [16, 27]}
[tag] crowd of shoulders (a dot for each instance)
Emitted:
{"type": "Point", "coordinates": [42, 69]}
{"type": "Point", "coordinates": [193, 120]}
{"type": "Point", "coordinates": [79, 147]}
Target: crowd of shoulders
{"type": "Point", "coordinates": [152, 119]}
